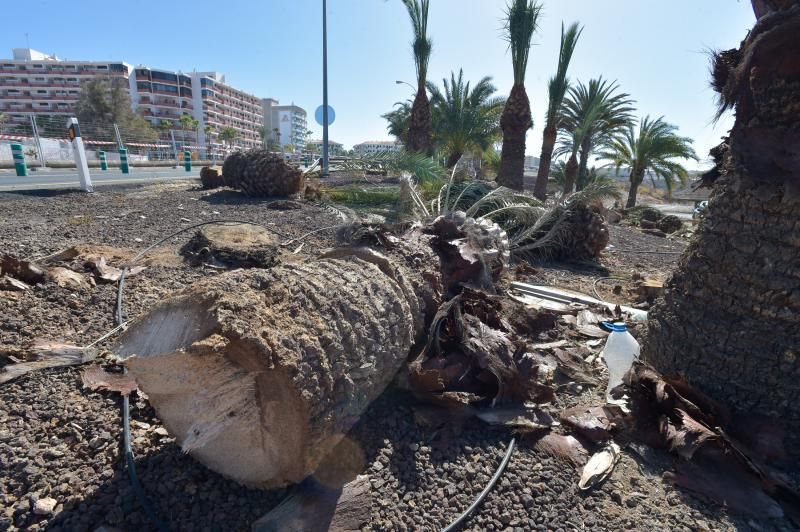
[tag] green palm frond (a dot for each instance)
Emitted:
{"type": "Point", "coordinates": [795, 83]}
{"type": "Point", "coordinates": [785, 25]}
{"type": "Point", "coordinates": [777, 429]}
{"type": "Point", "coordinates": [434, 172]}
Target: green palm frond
{"type": "Point", "coordinates": [558, 85]}
{"type": "Point", "coordinates": [422, 45]}
{"type": "Point", "coordinates": [465, 118]}
{"type": "Point", "coordinates": [597, 191]}
{"type": "Point", "coordinates": [589, 115]}
{"type": "Point", "coordinates": [653, 149]}
{"type": "Point", "coordinates": [521, 22]}
{"type": "Point", "coordinates": [399, 120]}
{"type": "Point", "coordinates": [425, 169]}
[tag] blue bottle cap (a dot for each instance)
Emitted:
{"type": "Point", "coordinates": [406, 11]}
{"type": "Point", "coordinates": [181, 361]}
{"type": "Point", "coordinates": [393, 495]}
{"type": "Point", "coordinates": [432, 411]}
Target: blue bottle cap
{"type": "Point", "coordinates": [615, 326]}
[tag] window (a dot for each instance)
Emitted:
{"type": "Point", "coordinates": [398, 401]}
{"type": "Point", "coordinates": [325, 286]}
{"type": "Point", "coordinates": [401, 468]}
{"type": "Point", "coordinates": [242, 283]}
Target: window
{"type": "Point", "coordinates": [42, 92]}
{"type": "Point", "coordinates": [44, 104]}
{"type": "Point", "coordinates": [117, 67]}
{"type": "Point", "coordinates": [102, 67]}
{"type": "Point", "coordinates": [38, 66]}
{"type": "Point", "coordinates": [164, 76]}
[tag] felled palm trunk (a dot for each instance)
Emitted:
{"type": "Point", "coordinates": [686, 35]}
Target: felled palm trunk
{"type": "Point", "coordinates": [730, 319]}
{"type": "Point", "coordinates": [259, 373]}
{"type": "Point", "coordinates": [545, 159]}
{"type": "Point", "coordinates": [515, 122]}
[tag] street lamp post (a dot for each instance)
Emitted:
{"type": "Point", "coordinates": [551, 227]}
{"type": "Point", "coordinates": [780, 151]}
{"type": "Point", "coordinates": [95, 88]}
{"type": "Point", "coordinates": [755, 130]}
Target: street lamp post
{"type": "Point", "coordinates": [325, 172]}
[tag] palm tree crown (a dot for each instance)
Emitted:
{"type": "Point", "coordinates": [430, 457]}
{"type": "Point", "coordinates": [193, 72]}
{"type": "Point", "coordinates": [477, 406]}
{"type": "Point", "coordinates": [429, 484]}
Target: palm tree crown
{"type": "Point", "coordinates": [464, 118]}
{"type": "Point", "coordinates": [422, 44]}
{"type": "Point", "coordinates": [522, 20]}
{"type": "Point", "coordinates": [651, 149]}
{"type": "Point", "coordinates": [556, 90]}
{"type": "Point", "coordinates": [589, 115]}
{"type": "Point", "coordinates": [558, 85]}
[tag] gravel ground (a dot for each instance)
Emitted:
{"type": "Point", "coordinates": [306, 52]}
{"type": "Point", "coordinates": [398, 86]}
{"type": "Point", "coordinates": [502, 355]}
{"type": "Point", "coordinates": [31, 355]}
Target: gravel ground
{"type": "Point", "coordinates": [59, 441]}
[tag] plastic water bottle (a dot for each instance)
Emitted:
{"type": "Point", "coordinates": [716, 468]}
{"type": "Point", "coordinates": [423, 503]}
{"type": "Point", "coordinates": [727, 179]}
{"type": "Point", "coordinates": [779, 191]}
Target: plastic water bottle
{"type": "Point", "coordinates": [620, 351]}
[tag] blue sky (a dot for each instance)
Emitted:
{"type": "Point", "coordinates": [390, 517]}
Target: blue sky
{"type": "Point", "coordinates": [656, 49]}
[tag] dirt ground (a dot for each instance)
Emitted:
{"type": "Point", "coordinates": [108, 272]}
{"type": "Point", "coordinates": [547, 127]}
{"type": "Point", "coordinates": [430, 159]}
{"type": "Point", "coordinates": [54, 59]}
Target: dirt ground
{"type": "Point", "coordinates": [61, 441]}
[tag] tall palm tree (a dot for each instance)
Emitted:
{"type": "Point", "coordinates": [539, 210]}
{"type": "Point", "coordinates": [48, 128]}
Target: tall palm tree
{"type": "Point", "coordinates": [556, 90]}
{"type": "Point", "coordinates": [590, 114]}
{"type": "Point", "coordinates": [522, 18]}
{"type": "Point", "coordinates": [419, 132]}
{"type": "Point", "coordinates": [652, 149]}
{"type": "Point", "coordinates": [729, 320]}
{"type": "Point", "coordinates": [463, 119]}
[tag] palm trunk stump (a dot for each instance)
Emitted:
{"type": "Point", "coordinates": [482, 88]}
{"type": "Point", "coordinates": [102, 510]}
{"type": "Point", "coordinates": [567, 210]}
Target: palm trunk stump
{"type": "Point", "coordinates": [260, 373]}
{"type": "Point", "coordinates": [729, 321]}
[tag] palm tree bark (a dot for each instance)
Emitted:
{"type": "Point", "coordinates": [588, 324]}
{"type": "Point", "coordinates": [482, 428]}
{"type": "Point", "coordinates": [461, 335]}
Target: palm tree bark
{"type": "Point", "coordinates": [729, 321]}
{"type": "Point", "coordinates": [583, 165]}
{"type": "Point", "coordinates": [515, 122]}
{"type": "Point", "coordinates": [453, 159]}
{"type": "Point", "coordinates": [419, 133]}
{"type": "Point", "coordinates": [636, 179]}
{"type": "Point", "coordinates": [570, 174]}
{"type": "Point", "coordinates": [545, 160]}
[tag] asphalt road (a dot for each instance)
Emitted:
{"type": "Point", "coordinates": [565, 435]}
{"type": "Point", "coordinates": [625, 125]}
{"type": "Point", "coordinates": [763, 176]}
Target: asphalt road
{"type": "Point", "coordinates": [66, 178]}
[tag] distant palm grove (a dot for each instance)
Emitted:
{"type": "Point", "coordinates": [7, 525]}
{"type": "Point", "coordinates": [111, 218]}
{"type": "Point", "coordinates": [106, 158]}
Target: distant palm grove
{"type": "Point", "coordinates": [584, 122]}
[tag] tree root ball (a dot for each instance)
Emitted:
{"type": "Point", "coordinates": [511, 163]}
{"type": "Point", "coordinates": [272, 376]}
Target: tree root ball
{"type": "Point", "coordinates": [669, 224]}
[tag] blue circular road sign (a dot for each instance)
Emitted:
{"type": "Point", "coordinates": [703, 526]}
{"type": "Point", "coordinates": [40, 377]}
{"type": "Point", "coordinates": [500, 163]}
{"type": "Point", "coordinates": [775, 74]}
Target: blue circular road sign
{"type": "Point", "coordinates": [319, 118]}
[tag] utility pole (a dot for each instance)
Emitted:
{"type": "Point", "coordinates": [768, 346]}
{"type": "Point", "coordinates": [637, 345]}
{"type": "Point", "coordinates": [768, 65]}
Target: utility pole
{"type": "Point", "coordinates": [325, 172]}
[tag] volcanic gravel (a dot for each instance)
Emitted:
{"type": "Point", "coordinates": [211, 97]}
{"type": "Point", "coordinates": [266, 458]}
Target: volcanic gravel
{"type": "Point", "coordinates": [60, 441]}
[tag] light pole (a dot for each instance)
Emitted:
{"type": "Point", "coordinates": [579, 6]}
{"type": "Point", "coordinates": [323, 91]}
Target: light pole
{"type": "Point", "coordinates": [325, 172]}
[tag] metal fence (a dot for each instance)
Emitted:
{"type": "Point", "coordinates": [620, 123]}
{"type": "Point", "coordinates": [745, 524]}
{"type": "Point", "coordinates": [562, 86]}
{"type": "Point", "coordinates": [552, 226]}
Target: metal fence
{"type": "Point", "coordinates": [45, 142]}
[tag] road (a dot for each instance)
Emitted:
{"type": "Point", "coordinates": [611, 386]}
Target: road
{"type": "Point", "coordinates": [684, 212]}
{"type": "Point", "coordinates": [67, 178]}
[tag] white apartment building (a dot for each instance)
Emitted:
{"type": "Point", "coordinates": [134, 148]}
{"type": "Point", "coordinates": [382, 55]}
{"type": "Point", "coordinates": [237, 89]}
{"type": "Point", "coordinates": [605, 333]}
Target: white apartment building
{"type": "Point", "coordinates": [371, 147]}
{"type": "Point", "coordinates": [334, 148]}
{"type": "Point", "coordinates": [34, 83]}
{"type": "Point", "coordinates": [161, 95]}
{"type": "Point", "coordinates": [284, 124]}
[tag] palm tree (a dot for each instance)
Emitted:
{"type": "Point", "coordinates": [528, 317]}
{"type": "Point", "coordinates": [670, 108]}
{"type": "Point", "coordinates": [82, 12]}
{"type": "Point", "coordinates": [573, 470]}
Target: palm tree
{"type": "Point", "coordinates": [651, 150]}
{"type": "Point", "coordinates": [208, 130]}
{"type": "Point", "coordinates": [522, 18]}
{"type": "Point", "coordinates": [463, 119]}
{"type": "Point", "coordinates": [419, 132]}
{"type": "Point", "coordinates": [589, 115]}
{"type": "Point", "coordinates": [186, 122]}
{"type": "Point", "coordinates": [399, 120]}
{"type": "Point", "coordinates": [228, 134]}
{"type": "Point", "coordinates": [729, 319]}
{"type": "Point", "coordinates": [556, 90]}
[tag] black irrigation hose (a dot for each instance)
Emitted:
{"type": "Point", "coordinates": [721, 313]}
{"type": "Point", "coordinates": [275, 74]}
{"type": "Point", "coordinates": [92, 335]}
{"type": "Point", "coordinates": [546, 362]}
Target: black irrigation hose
{"type": "Point", "coordinates": [461, 519]}
{"type": "Point", "coordinates": [126, 428]}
